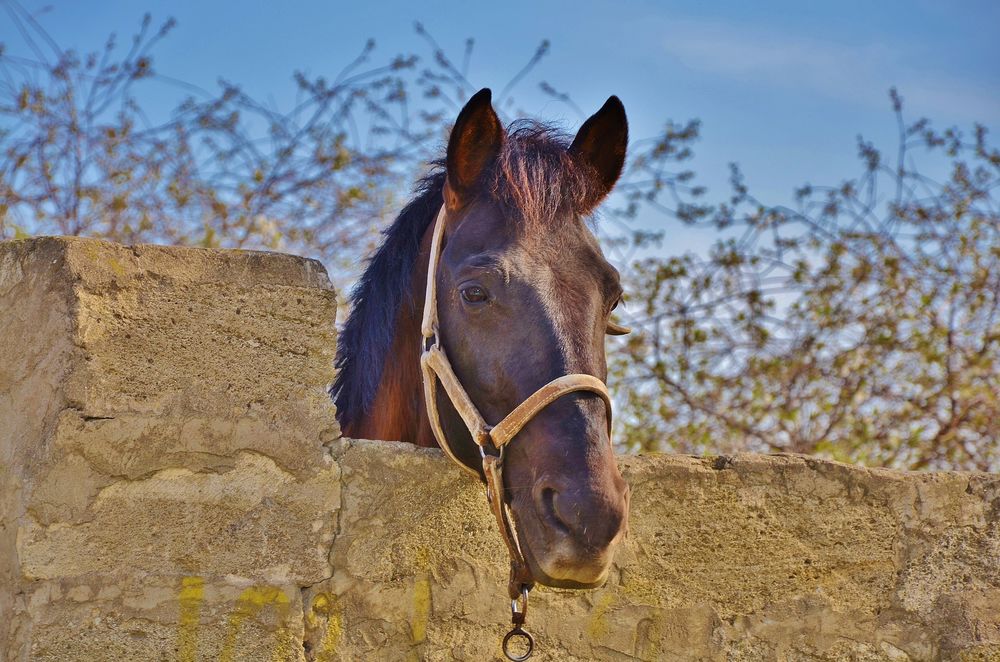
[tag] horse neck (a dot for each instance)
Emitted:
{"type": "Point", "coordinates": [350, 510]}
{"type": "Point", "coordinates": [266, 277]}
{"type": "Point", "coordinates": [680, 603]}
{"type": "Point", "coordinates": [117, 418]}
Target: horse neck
{"type": "Point", "coordinates": [398, 411]}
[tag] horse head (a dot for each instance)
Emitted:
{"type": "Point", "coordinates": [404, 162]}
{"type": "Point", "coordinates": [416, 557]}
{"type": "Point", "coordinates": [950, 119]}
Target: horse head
{"type": "Point", "coordinates": [524, 296]}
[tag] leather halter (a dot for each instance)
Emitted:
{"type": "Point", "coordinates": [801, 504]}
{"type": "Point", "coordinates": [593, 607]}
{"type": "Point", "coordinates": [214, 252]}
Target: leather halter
{"type": "Point", "coordinates": [435, 367]}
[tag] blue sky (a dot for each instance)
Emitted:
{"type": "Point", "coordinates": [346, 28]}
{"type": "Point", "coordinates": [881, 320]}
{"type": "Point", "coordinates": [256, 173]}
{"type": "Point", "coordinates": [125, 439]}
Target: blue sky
{"type": "Point", "coordinates": [782, 88]}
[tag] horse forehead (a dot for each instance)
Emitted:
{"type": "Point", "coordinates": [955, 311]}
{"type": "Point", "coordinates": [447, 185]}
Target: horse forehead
{"type": "Point", "coordinates": [560, 279]}
{"type": "Point", "coordinates": [568, 257]}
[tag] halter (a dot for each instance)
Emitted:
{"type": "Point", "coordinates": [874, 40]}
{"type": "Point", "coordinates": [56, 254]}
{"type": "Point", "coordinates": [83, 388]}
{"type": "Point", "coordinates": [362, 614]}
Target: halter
{"type": "Point", "coordinates": [435, 367]}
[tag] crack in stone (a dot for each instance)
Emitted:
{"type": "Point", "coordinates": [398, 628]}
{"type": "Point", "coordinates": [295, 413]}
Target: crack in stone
{"type": "Point", "coordinates": [304, 588]}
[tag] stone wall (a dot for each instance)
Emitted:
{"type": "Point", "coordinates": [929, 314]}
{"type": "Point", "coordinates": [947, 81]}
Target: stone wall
{"type": "Point", "coordinates": [173, 486]}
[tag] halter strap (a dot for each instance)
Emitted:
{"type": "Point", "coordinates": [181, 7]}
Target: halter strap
{"type": "Point", "coordinates": [429, 323]}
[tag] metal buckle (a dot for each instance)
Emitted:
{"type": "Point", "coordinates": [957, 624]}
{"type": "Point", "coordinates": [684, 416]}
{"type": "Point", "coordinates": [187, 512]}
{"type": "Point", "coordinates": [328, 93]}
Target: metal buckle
{"type": "Point", "coordinates": [483, 453]}
{"type": "Point", "coordinates": [517, 616]}
{"type": "Point", "coordinates": [429, 343]}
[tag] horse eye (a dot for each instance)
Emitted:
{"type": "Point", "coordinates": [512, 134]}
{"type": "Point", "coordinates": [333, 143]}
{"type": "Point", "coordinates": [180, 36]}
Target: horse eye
{"type": "Point", "coordinates": [474, 294]}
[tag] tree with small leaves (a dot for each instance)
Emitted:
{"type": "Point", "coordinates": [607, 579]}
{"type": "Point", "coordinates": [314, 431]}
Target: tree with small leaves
{"type": "Point", "coordinates": [862, 324]}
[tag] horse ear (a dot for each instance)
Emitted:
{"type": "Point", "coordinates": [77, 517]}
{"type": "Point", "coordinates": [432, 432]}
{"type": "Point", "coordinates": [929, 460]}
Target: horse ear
{"type": "Point", "coordinates": [475, 141]}
{"type": "Point", "coordinates": [600, 146]}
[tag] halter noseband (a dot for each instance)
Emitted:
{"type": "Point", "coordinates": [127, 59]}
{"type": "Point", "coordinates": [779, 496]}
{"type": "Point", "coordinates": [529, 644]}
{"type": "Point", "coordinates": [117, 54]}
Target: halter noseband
{"type": "Point", "coordinates": [435, 367]}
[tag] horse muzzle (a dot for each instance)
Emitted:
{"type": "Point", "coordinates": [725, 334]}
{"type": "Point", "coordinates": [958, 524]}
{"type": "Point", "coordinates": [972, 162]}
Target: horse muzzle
{"type": "Point", "coordinates": [570, 530]}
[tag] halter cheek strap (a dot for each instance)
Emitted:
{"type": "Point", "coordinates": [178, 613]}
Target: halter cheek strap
{"type": "Point", "coordinates": [436, 368]}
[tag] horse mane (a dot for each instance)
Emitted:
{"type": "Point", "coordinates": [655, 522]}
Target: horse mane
{"type": "Point", "coordinates": [534, 177]}
{"type": "Point", "coordinates": [532, 180]}
{"type": "Point", "coordinates": [376, 299]}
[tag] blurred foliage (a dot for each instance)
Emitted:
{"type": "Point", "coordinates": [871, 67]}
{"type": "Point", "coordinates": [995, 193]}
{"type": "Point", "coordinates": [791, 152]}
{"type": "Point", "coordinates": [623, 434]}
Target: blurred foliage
{"type": "Point", "coordinates": [861, 325]}
{"type": "Point", "coordinates": [80, 153]}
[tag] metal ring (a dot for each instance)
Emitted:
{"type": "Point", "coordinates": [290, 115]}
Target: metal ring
{"type": "Point", "coordinates": [523, 611]}
{"type": "Point", "coordinates": [528, 639]}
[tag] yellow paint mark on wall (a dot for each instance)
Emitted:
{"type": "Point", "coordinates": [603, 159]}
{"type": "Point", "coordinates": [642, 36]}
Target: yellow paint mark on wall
{"type": "Point", "coordinates": [250, 603]}
{"type": "Point", "coordinates": [191, 596]}
{"type": "Point", "coordinates": [421, 608]}
{"type": "Point", "coordinates": [642, 589]}
{"type": "Point", "coordinates": [597, 628]}
{"type": "Point", "coordinates": [648, 635]}
{"type": "Point", "coordinates": [421, 597]}
{"type": "Point", "coordinates": [326, 606]}
{"type": "Point", "coordinates": [116, 266]}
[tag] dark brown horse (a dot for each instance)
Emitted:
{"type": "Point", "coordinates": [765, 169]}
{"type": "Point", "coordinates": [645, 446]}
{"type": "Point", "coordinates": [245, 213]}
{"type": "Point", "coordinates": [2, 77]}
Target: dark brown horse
{"type": "Point", "coordinates": [524, 296]}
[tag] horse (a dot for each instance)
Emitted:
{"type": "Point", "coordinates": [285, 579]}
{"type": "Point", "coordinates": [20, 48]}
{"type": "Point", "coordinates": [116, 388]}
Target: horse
{"type": "Point", "coordinates": [524, 296]}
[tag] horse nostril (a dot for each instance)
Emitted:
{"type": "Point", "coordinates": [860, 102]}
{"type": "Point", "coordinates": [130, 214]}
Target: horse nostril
{"type": "Point", "coordinates": [589, 519]}
{"type": "Point", "coordinates": [547, 509]}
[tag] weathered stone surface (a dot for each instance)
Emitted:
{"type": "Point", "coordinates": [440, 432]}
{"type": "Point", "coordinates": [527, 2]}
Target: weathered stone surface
{"type": "Point", "coordinates": [738, 558]}
{"type": "Point", "coordinates": [166, 489]}
{"type": "Point", "coordinates": [173, 487]}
